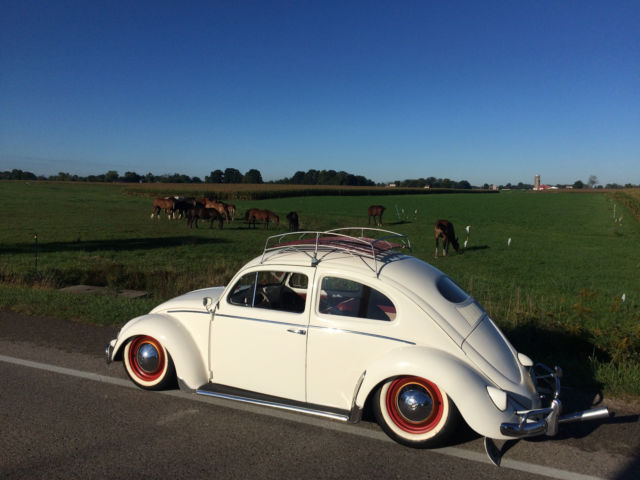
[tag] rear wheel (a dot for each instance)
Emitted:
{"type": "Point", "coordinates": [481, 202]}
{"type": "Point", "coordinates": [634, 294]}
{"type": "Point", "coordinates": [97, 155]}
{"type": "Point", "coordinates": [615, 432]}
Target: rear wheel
{"type": "Point", "coordinates": [415, 412]}
{"type": "Point", "coordinates": [148, 363]}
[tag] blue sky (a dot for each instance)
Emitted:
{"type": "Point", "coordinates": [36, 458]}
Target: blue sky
{"type": "Point", "coordinates": [484, 91]}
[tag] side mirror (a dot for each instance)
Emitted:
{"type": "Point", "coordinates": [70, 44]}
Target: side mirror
{"type": "Point", "coordinates": [207, 302]}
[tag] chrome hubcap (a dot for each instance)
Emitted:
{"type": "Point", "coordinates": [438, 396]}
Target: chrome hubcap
{"type": "Point", "coordinates": [148, 358]}
{"type": "Point", "coordinates": [414, 403]}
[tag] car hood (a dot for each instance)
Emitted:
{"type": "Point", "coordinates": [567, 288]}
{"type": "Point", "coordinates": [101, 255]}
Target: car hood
{"type": "Point", "coordinates": [191, 301]}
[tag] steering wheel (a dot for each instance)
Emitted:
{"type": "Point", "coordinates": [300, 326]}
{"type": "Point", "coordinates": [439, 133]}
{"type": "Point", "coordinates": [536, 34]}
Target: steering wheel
{"type": "Point", "coordinates": [262, 300]}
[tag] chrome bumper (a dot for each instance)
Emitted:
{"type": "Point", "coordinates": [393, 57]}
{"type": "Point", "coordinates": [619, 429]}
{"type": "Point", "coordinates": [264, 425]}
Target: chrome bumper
{"type": "Point", "coordinates": [544, 421]}
{"type": "Point", "coordinates": [108, 352]}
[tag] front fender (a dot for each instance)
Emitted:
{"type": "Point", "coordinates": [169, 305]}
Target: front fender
{"type": "Point", "coordinates": [462, 383]}
{"type": "Point", "coordinates": [189, 361]}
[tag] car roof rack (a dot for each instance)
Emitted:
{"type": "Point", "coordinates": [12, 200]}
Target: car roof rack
{"type": "Point", "coordinates": [373, 243]}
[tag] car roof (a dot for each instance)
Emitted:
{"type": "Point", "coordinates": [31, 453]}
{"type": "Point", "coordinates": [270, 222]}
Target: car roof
{"type": "Point", "coordinates": [353, 248]}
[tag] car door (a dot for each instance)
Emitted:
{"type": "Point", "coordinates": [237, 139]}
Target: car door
{"type": "Point", "coordinates": [353, 322]}
{"type": "Point", "coordinates": [259, 333]}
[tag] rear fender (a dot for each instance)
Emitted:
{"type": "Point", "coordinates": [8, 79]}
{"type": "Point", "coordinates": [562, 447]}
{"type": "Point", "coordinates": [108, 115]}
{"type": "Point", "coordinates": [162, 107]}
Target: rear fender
{"type": "Point", "coordinates": [190, 362]}
{"type": "Point", "coordinates": [466, 387]}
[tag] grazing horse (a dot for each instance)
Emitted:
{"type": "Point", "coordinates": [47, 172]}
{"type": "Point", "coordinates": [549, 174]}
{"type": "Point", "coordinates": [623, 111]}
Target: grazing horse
{"type": "Point", "coordinates": [166, 204]}
{"type": "Point", "coordinates": [202, 213]}
{"type": "Point", "coordinates": [266, 216]}
{"type": "Point", "coordinates": [376, 211]}
{"type": "Point", "coordinates": [221, 207]}
{"type": "Point", "coordinates": [444, 229]}
{"type": "Point", "coordinates": [183, 205]}
{"type": "Point", "coordinates": [293, 221]}
{"type": "Point", "coordinates": [231, 209]}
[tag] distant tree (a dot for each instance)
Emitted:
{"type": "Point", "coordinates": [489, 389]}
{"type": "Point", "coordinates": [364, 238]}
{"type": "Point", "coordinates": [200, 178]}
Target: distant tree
{"type": "Point", "coordinates": [252, 176]}
{"type": "Point", "coordinates": [298, 178]}
{"type": "Point", "coordinates": [364, 182]}
{"type": "Point", "coordinates": [196, 180]}
{"type": "Point", "coordinates": [131, 177]}
{"type": "Point", "coordinates": [411, 183]}
{"type": "Point", "coordinates": [342, 178]}
{"type": "Point", "coordinates": [216, 176]}
{"type": "Point", "coordinates": [232, 175]}
{"type": "Point", "coordinates": [464, 185]}
{"type": "Point", "coordinates": [327, 177]}
{"type": "Point", "coordinates": [311, 177]}
{"type": "Point", "coordinates": [17, 174]}
{"type": "Point", "coordinates": [111, 176]}
{"type": "Point", "coordinates": [578, 184]}
{"type": "Point", "coordinates": [592, 181]}
{"type": "Point", "coordinates": [62, 176]}
{"type": "Point", "coordinates": [178, 178]}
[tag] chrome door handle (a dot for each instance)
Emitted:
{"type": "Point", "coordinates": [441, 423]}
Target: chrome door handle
{"type": "Point", "coordinates": [299, 331]}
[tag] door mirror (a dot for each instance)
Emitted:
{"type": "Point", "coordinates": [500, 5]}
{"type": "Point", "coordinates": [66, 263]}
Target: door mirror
{"type": "Point", "coordinates": [207, 302]}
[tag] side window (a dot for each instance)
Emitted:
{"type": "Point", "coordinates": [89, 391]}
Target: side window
{"type": "Point", "coordinates": [339, 296]}
{"type": "Point", "coordinates": [271, 290]}
{"type": "Point", "coordinates": [243, 290]}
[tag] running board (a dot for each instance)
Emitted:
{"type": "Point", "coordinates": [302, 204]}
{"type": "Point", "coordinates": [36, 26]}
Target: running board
{"type": "Point", "coordinates": [281, 406]}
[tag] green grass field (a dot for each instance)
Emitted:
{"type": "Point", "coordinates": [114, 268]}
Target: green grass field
{"type": "Point", "coordinates": [556, 290]}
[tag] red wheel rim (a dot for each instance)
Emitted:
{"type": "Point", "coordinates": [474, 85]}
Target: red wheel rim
{"type": "Point", "coordinates": [430, 413]}
{"type": "Point", "coordinates": [145, 374]}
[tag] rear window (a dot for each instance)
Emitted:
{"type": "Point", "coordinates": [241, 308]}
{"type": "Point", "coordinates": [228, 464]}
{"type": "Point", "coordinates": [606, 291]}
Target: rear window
{"type": "Point", "coordinates": [449, 290]}
{"type": "Point", "coordinates": [340, 296]}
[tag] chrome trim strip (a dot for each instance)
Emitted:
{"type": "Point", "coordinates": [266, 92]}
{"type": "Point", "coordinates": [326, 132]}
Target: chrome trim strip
{"type": "Point", "coordinates": [281, 406]}
{"type": "Point", "coordinates": [355, 414]}
{"type": "Point", "coordinates": [188, 311]}
{"type": "Point", "coordinates": [383, 337]}
{"type": "Point", "coordinates": [338, 330]}
{"type": "Point", "coordinates": [261, 320]}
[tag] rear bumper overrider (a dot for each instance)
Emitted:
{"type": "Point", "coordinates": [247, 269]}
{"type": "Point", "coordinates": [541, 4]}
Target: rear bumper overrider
{"type": "Point", "coordinates": [108, 352]}
{"type": "Point", "coordinates": [544, 421]}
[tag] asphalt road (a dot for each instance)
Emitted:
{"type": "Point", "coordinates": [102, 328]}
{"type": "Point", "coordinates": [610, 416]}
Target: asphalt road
{"type": "Point", "coordinates": [66, 414]}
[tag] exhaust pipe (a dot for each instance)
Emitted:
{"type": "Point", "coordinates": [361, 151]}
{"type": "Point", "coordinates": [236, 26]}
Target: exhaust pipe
{"type": "Point", "coordinates": [593, 414]}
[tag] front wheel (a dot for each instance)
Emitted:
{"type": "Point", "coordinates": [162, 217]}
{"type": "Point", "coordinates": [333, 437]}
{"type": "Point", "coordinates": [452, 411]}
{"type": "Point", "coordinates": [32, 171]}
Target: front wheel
{"type": "Point", "coordinates": [148, 363]}
{"type": "Point", "coordinates": [415, 412]}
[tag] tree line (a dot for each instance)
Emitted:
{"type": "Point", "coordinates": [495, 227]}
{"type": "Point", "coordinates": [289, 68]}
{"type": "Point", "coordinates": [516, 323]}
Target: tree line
{"type": "Point", "coordinates": [229, 175]}
{"type": "Point", "coordinates": [310, 177]}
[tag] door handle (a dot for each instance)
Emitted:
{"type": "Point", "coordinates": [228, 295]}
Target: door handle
{"type": "Point", "coordinates": [299, 331]}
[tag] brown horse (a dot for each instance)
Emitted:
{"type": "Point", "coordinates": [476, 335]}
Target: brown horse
{"type": "Point", "coordinates": [376, 211]}
{"type": "Point", "coordinates": [202, 213]}
{"type": "Point", "coordinates": [444, 229]}
{"type": "Point", "coordinates": [266, 216]}
{"type": "Point", "coordinates": [163, 204]}
{"type": "Point", "coordinates": [231, 209]}
{"type": "Point", "coordinates": [183, 204]}
{"type": "Point", "coordinates": [294, 223]}
{"type": "Point", "coordinates": [221, 207]}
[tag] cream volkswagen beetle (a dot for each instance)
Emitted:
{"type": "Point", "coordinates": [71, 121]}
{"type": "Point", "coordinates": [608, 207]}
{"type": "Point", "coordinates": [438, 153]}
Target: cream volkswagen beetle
{"type": "Point", "coordinates": [326, 322]}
